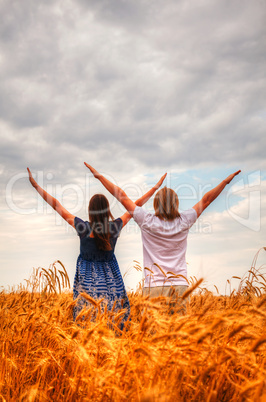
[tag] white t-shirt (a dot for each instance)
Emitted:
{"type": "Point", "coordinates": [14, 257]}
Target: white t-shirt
{"type": "Point", "coordinates": [165, 244]}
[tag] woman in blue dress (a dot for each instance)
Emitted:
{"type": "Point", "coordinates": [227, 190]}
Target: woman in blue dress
{"type": "Point", "coordinates": [97, 271]}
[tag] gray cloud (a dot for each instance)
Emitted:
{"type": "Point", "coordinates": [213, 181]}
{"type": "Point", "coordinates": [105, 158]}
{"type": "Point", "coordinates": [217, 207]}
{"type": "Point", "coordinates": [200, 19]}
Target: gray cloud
{"type": "Point", "coordinates": [140, 75]}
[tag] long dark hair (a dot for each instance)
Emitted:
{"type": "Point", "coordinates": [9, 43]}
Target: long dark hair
{"type": "Point", "coordinates": [166, 204]}
{"type": "Point", "coordinates": [99, 215]}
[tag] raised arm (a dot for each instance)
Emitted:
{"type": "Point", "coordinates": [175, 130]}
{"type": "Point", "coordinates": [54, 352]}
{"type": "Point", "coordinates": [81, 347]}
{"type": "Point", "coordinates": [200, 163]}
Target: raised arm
{"type": "Point", "coordinates": [142, 200]}
{"type": "Point", "coordinates": [210, 196]}
{"type": "Point", "coordinates": [121, 196]}
{"type": "Point", "coordinates": [55, 204]}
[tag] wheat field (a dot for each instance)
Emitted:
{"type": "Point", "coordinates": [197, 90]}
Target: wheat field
{"type": "Point", "coordinates": [216, 352]}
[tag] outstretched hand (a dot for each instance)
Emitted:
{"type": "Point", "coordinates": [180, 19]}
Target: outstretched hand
{"type": "Point", "coordinates": [31, 179]}
{"type": "Point", "coordinates": [231, 176]}
{"type": "Point", "coordinates": [93, 171]}
{"type": "Point", "coordinates": [160, 182]}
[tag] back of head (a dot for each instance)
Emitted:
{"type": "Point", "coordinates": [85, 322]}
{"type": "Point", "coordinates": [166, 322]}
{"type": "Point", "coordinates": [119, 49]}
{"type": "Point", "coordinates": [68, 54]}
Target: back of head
{"type": "Point", "coordinates": [99, 216]}
{"type": "Point", "coordinates": [166, 204]}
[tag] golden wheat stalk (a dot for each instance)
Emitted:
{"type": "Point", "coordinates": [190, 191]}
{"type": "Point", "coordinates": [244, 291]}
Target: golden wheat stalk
{"type": "Point", "coordinates": [192, 288]}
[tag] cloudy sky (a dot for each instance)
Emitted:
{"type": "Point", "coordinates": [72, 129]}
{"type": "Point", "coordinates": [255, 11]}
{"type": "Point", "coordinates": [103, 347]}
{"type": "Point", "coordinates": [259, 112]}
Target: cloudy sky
{"type": "Point", "coordinates": [135, 88]}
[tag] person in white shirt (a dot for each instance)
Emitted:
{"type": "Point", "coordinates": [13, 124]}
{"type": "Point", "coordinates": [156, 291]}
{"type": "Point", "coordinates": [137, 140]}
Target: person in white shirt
{"type": "Point", "coordinates": [164, 235]}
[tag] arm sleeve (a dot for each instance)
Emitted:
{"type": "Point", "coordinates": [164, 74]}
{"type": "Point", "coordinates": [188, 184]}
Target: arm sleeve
{"type": "Point", "coordinates": [116, 227]}
{"type": "Point", "coordinates": [189, 217]}
{"type": "Point", "coordinates": [139, 215]}
{"type": "Point", "coordinates": [80, 227]}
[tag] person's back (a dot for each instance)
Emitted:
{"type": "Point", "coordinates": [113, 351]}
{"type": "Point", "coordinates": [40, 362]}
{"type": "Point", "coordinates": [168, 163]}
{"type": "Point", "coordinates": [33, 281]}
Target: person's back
{"type": "Point", "coordinates": [164, 244]}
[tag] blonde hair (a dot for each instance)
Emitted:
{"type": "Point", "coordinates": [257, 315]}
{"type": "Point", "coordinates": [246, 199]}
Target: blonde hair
{"type": "Point", "coordinates": [166, 204]}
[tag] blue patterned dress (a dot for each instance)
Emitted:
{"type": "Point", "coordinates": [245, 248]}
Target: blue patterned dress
{"type": "Point", "coordinates": [98, 273]}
